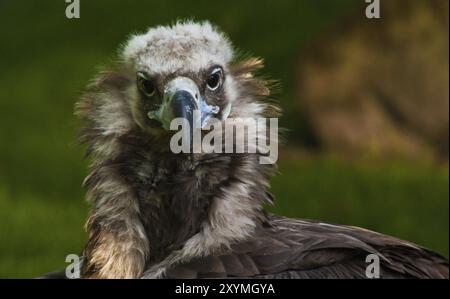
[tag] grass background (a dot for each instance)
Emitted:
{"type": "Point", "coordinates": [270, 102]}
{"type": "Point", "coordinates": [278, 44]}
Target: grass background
{"type": "Point", "coordinates": [46, 60]}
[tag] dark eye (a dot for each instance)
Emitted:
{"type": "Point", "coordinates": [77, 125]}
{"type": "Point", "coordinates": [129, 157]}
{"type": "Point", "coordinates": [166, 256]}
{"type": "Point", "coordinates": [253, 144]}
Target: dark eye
{"type": "Point", "coordinates": [215, 79]}
{"type": "Point", "coordinates": [145, 85]}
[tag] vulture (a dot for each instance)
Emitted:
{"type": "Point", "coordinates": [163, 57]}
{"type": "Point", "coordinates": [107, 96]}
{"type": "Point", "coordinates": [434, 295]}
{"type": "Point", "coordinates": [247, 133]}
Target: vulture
{"type": "Point", "coordinates": [160, 214]}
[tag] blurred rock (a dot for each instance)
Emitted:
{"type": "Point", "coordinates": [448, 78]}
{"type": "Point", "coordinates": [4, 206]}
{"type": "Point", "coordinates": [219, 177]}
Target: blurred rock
{"type": "Point", "coordinates": [379, 87]}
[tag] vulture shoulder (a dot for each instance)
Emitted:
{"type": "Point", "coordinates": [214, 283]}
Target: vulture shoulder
{"type": "Point", "coordinates": [291, 248]}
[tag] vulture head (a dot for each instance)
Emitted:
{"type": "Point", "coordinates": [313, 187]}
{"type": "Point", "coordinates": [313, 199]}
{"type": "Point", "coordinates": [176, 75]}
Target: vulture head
{"type": "Point", "coordinates": [156, 213]}
{"type": "Point", "coordinates": [179, 70]}
{"type": "Point", "coordinates": [170, 72]}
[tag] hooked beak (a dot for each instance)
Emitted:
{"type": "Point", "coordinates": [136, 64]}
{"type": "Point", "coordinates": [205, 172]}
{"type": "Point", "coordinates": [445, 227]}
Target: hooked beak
{"type": "Point", "coordinates": [182, 99]}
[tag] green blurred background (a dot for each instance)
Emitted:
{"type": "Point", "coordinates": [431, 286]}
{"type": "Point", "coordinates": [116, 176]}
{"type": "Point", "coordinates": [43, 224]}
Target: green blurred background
{"type": "Point", "coordinates": [47, 59]}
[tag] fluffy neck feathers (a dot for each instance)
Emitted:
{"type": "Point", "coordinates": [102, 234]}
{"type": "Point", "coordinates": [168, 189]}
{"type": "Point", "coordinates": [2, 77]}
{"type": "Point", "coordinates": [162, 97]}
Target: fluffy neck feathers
{"type": "Point", "coordinates": [174, 207]}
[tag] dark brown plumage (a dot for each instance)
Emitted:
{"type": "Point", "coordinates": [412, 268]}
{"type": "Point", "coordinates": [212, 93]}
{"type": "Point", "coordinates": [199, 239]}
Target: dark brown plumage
{"type": "Point", "coordinates": [291, 248]}
{"type": "Point", "coordinates": [158, 214]}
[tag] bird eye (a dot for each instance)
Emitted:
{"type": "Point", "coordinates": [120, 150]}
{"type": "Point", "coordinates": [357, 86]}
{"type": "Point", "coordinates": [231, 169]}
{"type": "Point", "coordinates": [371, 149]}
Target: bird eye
{"type": "Point", "coordinates": [215, 79]}
{"type": "Point", "coordinates": [145, 85]}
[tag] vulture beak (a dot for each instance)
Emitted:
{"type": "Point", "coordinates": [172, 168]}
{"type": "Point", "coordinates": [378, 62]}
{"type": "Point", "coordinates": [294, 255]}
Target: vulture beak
{"type": "Point", "coordinates": [182, 99]}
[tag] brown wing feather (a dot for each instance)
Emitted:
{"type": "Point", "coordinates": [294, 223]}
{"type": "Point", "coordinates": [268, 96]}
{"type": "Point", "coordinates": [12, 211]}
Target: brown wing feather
{"type": "Point", "coordinates": [290, 248]}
